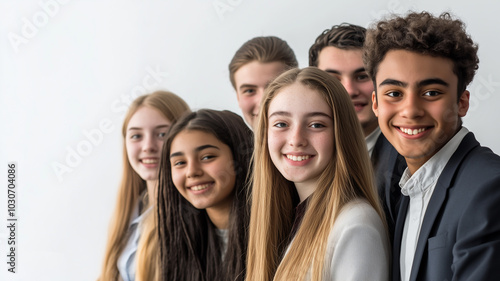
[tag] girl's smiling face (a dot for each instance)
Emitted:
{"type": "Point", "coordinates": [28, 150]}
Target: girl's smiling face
{"type": "Point", "coordinates": [203, 172]}
{"type": "Point", "coordinates": [300, 136]}
{"type": "Point", "coordinates": [144, 138]}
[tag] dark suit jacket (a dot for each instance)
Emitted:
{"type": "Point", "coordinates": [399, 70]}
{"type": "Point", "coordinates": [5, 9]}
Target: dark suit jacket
{"type": "Point", "coordinates": [388, 166]}
{"type": "Point", "coordinates": [460, 234]}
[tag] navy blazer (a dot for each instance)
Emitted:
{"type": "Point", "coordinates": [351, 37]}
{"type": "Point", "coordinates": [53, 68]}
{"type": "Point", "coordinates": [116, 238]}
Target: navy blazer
{"type": "Point", "coordinates": [388, 166]}
{"type": "Point", "coordinates": [460, 234]}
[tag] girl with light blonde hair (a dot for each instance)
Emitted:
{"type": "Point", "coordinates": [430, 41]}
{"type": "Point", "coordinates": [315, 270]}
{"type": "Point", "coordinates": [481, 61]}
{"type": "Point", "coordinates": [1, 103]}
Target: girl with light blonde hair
{"type": "Point", "coordinates": [309, 144]}
{"type": "Point", "coordinates": [132, 249]}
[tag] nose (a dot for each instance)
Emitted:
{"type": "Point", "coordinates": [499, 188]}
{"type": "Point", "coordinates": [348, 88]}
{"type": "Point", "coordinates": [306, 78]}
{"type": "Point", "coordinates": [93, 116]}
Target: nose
{"type": "Point", "coordinates": [150, 144]}
{"type": "Point", "coordinates": [412, 106]}
{"type": "Point", "coordinates": [350, 86]}
{"type": "Point", "coordinates": [298, 137]}
{"type": "Point", "coordinates": [257, 100]}
{"type": "Point", "coordinates": [193, 170]}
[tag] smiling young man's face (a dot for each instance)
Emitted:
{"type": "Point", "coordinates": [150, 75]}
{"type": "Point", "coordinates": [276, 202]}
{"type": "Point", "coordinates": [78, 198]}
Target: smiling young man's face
{"type": "Point", "coordinates": [348, 67]}
{"type": "Point", "coordinates": [416, 104]}
{"type": "Point", "coordinates": [251, 81]}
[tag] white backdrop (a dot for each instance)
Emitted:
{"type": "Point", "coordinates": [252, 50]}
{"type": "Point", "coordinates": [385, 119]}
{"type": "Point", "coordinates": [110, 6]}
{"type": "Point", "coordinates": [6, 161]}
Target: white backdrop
{"type": "Point", "coordinates": [68, 70]}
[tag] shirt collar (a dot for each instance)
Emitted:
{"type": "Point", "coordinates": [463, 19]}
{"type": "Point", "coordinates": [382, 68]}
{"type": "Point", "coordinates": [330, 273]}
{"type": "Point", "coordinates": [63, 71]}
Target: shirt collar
{"type": "Point", "coordinates": [428, 174]}
{"type": "Point", "coordinates": [138, 213]}
{"type": "Point", "coordinates": [371, 139]}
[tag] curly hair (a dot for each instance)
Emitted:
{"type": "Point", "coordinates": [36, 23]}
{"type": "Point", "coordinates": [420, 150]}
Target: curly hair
{"type": "Point", "coordinates": [344, 36]}
{"type": "Point", "coordinates": [263, 49]}
{"type": "Point", "coordinates": [425, 34]}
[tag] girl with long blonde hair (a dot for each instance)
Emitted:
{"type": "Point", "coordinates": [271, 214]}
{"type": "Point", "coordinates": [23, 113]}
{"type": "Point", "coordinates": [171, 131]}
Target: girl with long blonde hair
{"type": "Point", "coordinates": [132, 248]}
{"type": "Point", "coordinates": [309, 143]}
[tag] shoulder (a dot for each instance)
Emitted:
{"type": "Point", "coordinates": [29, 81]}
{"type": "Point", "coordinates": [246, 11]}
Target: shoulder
{"type": "Point", "coordinates": [471, 152]}
{"type": "Point", "coordinates": [483, 159]}
{"type": "Point", "coordinates": [358, 240]}
{"type": "Point", "coordinates": [357, 212]}
{"type": "Point", "coordinates": [476, 166]}
{"type": "Point", "coordinates": [358, 220]}
{"type": "Point", "coordinates": [471, 165]}
{"type": "Point", "coordinates": [469, 185]}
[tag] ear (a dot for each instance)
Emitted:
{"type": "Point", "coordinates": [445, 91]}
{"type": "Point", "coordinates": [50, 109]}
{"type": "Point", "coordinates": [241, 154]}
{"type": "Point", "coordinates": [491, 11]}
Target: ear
{"type": "Point", "coordinates": [463, 103]}
{"type": "Point", "coordinates": [374, 103]}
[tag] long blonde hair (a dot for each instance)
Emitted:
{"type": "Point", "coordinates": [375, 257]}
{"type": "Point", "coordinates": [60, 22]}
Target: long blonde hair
{"type": "Point", "coordinates": [347, 177]}
{"type": "Point", "coordinates": [148, 255]}
{"type": "Point", "coordinates": [131, 188]}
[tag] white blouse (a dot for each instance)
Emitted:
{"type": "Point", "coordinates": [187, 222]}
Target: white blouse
{"type": "Point", "coordinates": [358, 245]}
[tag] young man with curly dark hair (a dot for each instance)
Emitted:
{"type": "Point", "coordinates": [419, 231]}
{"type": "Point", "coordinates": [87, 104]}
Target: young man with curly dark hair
{"type": "Point", "coordinates": [447, 225]}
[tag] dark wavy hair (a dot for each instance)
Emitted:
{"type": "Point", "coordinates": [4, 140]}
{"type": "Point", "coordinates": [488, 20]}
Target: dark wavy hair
{"type": "Point", "coordinates": [190, 248]}
{"type": "Point", "coordinates": [345, 36]}
{"type": "Point", "coordinates": [263, 49]}
{"type": "Point", "coordinates": [425, 34]}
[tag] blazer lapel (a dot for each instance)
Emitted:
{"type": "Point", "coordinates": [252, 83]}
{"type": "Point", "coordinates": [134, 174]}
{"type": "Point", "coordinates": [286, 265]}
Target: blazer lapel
{"type": "Point", "coordinates": [438, 198]}
{"type": "Point", "coordinates": [386, 156]}
{"type": "Point", "coordinates": [398, 235]}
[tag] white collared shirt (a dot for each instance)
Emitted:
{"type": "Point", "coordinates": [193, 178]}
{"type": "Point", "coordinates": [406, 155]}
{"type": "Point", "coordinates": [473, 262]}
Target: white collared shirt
{"type": "Point", "coordinates": [371, 140]}
{"type": "Point", "coordinates": [420, 187]}
{"type": "Point", "coordinates": [126, 262]}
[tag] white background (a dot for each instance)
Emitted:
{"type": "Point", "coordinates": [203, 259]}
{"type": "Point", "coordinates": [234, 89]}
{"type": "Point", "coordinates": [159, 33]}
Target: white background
{"type": "Point", "coordinates": [77, 64]}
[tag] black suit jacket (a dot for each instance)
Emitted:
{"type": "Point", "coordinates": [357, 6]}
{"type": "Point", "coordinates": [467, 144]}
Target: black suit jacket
{"type": "Point", "coordinates": [388, 166]}
{"type": "Point", "coordinates": [460, 234]}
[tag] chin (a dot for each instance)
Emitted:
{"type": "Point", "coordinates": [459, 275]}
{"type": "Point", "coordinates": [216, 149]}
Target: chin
{"type": "Point", "coordinates": [149, 178]}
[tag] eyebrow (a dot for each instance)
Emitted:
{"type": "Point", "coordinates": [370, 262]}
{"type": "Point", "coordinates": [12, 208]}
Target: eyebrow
{"type": "Point", "coordinates": [157, 127]}
{"type": "Point", "coordinates": [288, 114]}
{"type": "Point", "coordinates": [432, 81]}
{"type": "Point", "coordinates": [247, 86]}
{"type": "Point", "coordinates": [426, 82]}
{"type": "Point", "coordinates": [333, 71]}
{"type": "Point", "coordinates": [254, 86]}
{"type": "Point", "coordinates": [393, 82]}
{"type": "Point", "coordinates": [198, 149]}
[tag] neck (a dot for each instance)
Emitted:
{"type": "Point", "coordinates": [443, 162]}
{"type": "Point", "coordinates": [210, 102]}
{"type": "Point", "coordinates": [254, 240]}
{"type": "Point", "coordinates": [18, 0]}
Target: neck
{"type": "Point", "coordinates": [305, 189]}
{"type": "Point", "coordinates": [413, 166]}
{"type": "Point", "coordinates": [369, 129]}
{"type": "Point", "coordinates": [415, 163]}
{"type": "Point", "coordinates": [219, 216]}
{"type": "Point", "coordinates": [151, 187]}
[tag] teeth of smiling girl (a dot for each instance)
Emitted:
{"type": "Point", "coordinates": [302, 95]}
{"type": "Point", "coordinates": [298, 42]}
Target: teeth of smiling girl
{"type": "Point", "coordinates": [412, 132]}
{"type": "Point", "coordinates": [149, 161]}
{"type": "Point", "coordinates": [297, 158]}
{"type": "Point", "coordinates": [200, 187]}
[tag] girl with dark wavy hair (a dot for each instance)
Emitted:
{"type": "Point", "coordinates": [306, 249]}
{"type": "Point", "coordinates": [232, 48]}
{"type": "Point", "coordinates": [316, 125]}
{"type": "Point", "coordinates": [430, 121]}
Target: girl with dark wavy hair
{"type": "Point", "coordinates": [202, 197]}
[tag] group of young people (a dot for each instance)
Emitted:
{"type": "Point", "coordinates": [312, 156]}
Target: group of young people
{"type": "Point", "coordinates": [354, 168]}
